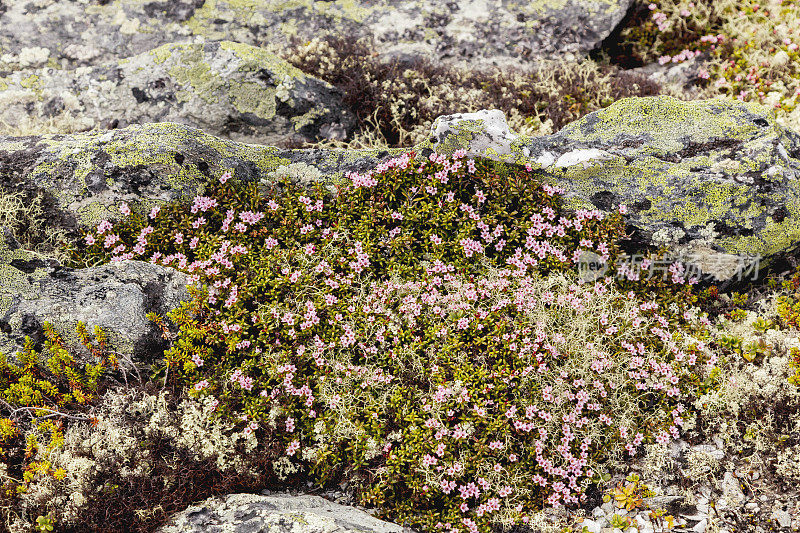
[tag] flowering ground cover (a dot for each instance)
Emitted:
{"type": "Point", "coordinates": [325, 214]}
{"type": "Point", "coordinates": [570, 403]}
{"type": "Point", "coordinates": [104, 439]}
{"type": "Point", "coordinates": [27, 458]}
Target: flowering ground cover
{"type": "Point", "coordinates": [423, 335]}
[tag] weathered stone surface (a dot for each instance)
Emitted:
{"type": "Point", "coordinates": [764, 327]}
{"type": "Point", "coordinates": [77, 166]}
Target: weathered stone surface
{"type": "Point", "coordinates": [714, 179]}
{"type": "Point", "coordinates": [277, 513]}
{"type": "Point", "coordinates": [484, 130]}
{"type": "Point", "coordinates": [226, 89]}
{"type": "Point", "coordinates": [84, 177]}
{"type": "Point", "coordinates": [67, 35]}
{"type": "Point", "coordinates": [115, 296]}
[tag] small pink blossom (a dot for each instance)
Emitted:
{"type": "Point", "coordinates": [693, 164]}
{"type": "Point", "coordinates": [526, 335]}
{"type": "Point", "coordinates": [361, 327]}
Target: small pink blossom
{"type": "Point", "coordinates": [293, 447]}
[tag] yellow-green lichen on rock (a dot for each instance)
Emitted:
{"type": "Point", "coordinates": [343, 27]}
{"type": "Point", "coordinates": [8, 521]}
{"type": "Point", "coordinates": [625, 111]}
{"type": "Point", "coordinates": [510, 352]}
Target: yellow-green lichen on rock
{"type": "Point", "coordinates": [680, 157]}
{"type": "Point", "coordinates": [673, 164]}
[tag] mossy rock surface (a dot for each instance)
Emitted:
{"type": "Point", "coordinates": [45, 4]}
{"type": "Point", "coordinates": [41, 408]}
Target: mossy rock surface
{"type": "Point", "coordinates": [226, 89]}
{"type": "Point", "coordinates": [52, 33]}
{"type": "Point", "coordinates": [713, 179]}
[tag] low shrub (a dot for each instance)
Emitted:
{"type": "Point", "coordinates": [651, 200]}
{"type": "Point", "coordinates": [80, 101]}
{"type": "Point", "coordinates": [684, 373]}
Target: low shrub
{"type": "Point", "coordinates": [446, 386]}
{"type": "Point", "coordinates": [397, 100]}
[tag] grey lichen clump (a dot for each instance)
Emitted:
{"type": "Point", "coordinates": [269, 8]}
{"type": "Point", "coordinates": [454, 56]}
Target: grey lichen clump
{"type": "Point", "coordinates": [117, 450]}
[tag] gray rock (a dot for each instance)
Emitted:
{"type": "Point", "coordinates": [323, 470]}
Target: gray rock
{"type": "Point", "coordinates": [591, 526]}
{"type": "Point", "coordinates": [700, 527]}
{"type": "Point", "coordinates": [491, 132]}
{"type": "Point", "coordinates": [712, 180]}
{"type": "Point", "coordinates": [66, 35]}
{"type": "Point", "coordinates": [277, 513]}
{"type": "Point", "coordinates": [783, 518]}
{"type": "Point", "coordinates": [643, 525]}
{"type": "Point", "coordinates": [227, 89]}
{"type": "Point", "coordinates": [683, 75]}
{"type": "Point", "coordinates": [731, 489]}
{"type": "Point", "coordinates": [116, 297]}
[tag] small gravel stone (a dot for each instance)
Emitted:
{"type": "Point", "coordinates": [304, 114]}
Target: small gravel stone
{"type": "Point", "coordinates": [701, 526]}
{"type": "Point", "coordinates": [644, 525]}
{"type": "Point", "coordinates": [591, 526]}
{"type": "Point", "coordinates": [783, 518]}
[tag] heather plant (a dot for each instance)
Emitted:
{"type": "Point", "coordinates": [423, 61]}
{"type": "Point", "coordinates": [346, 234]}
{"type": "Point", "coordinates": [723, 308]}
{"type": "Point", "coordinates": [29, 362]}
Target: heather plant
{"type": "Point", "coordinates": [33, 394]}
{"type": "Point", "coordinates": [454, 391]}
{"type": "Point", "coordinates": [753, 412]}
{"type": "Point", "coordinates": [750, 49]}
{"type": "Point", "coordinates": [396, 100]}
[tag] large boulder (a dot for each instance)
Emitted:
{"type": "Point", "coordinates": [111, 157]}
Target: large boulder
{"type": "Point", "coordinates": [714, 180]}
{"type": "Point", "coordinates": [67, 35]}
{"type": "Point", "coordinates": [116, 296]}
{"type": "Point", "coordinates": [277, 513]}
{"type": "Point", "coordinates": [226, 89]}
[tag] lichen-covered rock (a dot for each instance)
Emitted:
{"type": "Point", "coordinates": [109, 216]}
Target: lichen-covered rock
{"type": "Point", "coordinates": [116, 296]}
{"type": "Point", "coordinates": [84, 177]}
{"type": "Point", "coordinates": [714, 180]}
{"type": "Point", "coordinates": [278, 513]}
{"type": "Point", "coordinates": [50, 33]}
{"type": "Point", "coordinates": [483, 132]}
{"type": "Point", "coordinates": [226, 89]}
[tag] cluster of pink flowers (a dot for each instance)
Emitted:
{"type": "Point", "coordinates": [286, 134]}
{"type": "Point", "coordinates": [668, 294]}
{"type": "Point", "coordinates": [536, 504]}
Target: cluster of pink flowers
{"type": "Point", "coordinates": [553, 432]}
{"type": "Point", "coordinates": [203, 203]}
{"type": "Point", "coordinates": [246, 382]}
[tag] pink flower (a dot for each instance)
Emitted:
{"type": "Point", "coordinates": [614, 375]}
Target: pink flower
{"type": "Point", "coordinates": [495, 445]}
{"type": "Point", "coordinates": [225, 177]}
{"type": "Point", "coordinates": [110, 239]}
{"type": "Point", "coordinates": [154, 212]}
{"type": "Point", "coordinates": [124, 209]}
{"type": "Point", "coordinates": [104, 226]}
{"type": "Point", "coordinates": [429, 460]}
{"type": "Point", "coordinates": [90, 239]}
{"type": "Point", "coordinates": [203, 203]}
{"type": "Point", "coordinates": [470, 489]}
{"type": "Point", "coordinates": [293, 447]}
